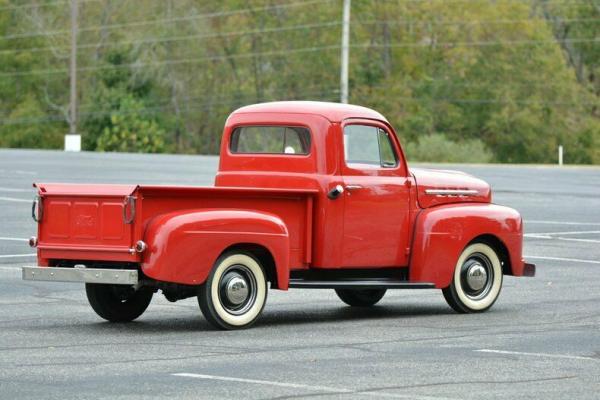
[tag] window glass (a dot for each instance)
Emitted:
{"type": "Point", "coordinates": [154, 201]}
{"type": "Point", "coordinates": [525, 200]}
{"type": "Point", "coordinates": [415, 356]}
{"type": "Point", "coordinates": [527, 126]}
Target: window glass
{"type": "Point", "coordinates": [368, 146]}
{"type": "Point", "coordinates": [386, 151]}
{"type": "Point", "coordinates": [270, 140]}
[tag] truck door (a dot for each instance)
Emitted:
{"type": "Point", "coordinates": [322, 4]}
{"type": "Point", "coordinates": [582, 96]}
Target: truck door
{"type": "Point", "coordinates": [376, 197]}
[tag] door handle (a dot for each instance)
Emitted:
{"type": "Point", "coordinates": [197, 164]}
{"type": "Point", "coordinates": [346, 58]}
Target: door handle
{"type": "Point", "coordinates": [335, 192]}
{"type": "Point", "coordinates": [353, 187]}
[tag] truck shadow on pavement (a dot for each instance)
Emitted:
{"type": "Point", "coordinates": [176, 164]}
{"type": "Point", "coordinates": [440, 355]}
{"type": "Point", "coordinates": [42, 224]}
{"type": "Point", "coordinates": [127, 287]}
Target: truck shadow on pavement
{"type": "Point", "coordinates": [155, 323]}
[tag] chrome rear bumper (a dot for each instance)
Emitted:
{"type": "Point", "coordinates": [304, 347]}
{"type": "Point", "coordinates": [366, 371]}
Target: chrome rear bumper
{"type": "Point", "coordinates": [88, 275]}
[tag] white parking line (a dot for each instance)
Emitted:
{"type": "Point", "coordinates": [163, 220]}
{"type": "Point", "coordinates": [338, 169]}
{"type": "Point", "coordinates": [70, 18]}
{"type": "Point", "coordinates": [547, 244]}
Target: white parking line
{"type": "Point", "coordinates": [16, 200]}
{"type": "Point", "coordinates": [562, 223]}
{"type": "Point", "coordinates": [17, 255]}
{"type": "Point", "coordinates": [327, 389]}
{"type": "Point", "coordinates": [21, 172]}
{"type": "Point", "coordinates": [563, 233]}
{"type": "Point", "coordinates": [12, 239]}
{"type": "Point", "coordinates": [546, 237]}
{"type": "Point", "coordinates": [547, 355]}
{"type": "Point", "coordinates": [577, 260]}
{"type": "Point", "coordinates": [576, 240]}
{"type": "Point", "coordinates": [5, 189]}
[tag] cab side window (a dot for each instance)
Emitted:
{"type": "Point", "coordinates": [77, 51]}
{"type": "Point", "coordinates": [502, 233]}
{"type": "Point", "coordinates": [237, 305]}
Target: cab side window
{"type": "Point", "coordinates": [368, 147]}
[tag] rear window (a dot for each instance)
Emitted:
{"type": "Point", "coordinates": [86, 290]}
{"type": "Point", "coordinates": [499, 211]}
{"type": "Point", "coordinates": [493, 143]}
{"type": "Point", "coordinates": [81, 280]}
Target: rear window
{"type": "Point", "coordinates": [270, 140]}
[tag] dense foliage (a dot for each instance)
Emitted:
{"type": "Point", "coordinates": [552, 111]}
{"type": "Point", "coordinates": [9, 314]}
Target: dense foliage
{"type": "Point", "coordinates": [460, 80]}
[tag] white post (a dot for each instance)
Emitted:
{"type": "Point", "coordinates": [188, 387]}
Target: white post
{"type": "Point", "coordinates": [560, 155]}
{"type": "Point", "coordinates": [345, 52]}
{"type": "Point", "coordinates": [73, 139]}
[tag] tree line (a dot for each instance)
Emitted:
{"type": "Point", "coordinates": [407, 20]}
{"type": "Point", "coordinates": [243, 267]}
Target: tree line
{"type": "Point", "coordinates": [460, 80]}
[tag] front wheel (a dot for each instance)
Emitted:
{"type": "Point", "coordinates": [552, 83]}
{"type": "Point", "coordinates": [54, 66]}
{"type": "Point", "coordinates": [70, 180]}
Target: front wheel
{"type": "Point", "coordinates": [235, 292]}
{"type": "Point", "coordinates": [360, 297]}
{"type": "Point", "coordinates": [117, 303]}
{"type": "Point", "coordinates": [477, 280]}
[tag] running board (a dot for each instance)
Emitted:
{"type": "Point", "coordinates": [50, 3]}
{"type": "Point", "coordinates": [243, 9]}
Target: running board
{"type": "Point", "coordinates": [359, 284]}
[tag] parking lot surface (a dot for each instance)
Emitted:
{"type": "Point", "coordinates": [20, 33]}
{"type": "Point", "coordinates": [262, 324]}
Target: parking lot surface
{"type": "Point", "coordinates": [540, 340]}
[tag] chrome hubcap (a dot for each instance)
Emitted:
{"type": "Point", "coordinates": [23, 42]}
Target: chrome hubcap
{"type": "Point", "coordinates": [236, 289]}
{"type": "Point", "coordinates": [476, 276]}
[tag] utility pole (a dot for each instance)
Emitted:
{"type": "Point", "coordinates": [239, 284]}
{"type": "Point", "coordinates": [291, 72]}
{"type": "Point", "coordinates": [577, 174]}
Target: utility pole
{"type": "Point", "coordinates": [73, 139]}
{"type": "Point", "coordinates": [345, 52]}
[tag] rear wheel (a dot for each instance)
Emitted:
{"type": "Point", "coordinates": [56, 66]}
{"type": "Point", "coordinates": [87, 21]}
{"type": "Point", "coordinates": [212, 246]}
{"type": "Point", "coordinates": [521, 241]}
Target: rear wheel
{"type": "Point", "coordinates": [360, 297]}
{"type": "Point", "coordinates": [235, 292]}
{"type": "Point", "coordinates": [117, 303]}
{"type": "Point", "coordinates": [477, 280]}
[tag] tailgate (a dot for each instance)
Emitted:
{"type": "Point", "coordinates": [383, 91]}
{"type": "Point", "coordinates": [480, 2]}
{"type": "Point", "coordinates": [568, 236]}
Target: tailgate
{"type": "Point", "coordinates": [86, 222]}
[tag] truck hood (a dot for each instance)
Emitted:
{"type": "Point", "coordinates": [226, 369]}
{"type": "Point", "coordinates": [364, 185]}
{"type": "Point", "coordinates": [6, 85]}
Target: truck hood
{"type": "Point", "coordinates": [436, 187]}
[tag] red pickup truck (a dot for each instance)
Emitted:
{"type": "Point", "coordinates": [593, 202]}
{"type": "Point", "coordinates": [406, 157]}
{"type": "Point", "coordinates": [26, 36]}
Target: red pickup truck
{"type": "Point", "coordinates": [307, 195]}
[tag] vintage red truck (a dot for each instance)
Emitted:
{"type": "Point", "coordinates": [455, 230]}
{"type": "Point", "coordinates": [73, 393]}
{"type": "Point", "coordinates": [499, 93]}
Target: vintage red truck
{"type": "Point", "coordinates": [307, 195]}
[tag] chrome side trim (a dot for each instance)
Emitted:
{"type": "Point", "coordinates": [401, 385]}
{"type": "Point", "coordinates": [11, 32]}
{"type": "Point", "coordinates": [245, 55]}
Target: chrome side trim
{"type": "Point", "coordinates": [451, 192]}
{"type": "Point", "coordinates": [88, 275]}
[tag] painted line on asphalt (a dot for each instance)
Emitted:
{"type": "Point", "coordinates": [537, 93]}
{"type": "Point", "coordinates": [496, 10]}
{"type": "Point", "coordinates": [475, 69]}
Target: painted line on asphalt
{"type": "Point", "coordinates": [326, 389]}
{"type": "Point", "coordinates": [577, 260]}
{"type": "Point", "coordinates": [17, 255]}
{"type": "Point", "coordinates": [561, 222]}
{"type": "Point", "coordinates": [547, 355]}
{"type": "Point", "coordinates": [21, 172]}
{"type": "Point", "coordinates": [546, 237]}
{"type": "Point", "coordinates": [562, 233]}
{"type": "Point", "coordinates": [12, 239]}
{"type": "Point", "coordinates": [14, 199]}
{"type": "Point", "coordinates": [578, 240]}
{"type": "Point", "coordinates": [14, 190]}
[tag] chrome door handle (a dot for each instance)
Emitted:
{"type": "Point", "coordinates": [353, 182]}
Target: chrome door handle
{"type": "Point", "coordinates": [353, 187]}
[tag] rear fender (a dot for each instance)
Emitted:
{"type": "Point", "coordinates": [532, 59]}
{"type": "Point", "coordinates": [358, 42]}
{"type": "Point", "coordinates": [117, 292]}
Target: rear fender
{"type": "Point", "coordinates": [183, 246]}
{"type": "Point", "coordinates": [442, 233]}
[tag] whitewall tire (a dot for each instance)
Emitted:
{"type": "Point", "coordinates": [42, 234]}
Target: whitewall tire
{"type": "Point", "coordinates": [235, 292]}
{"type": "Point", "coordinates": [477, 280]}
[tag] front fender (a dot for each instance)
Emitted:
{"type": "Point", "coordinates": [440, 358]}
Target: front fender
{"type": "Point", "coordinates": [441, 234]}
{"type": "Point", "coordinates": [184, 245]}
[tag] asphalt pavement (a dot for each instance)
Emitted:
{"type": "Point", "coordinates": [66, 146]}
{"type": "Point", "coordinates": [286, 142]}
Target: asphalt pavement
{"type": "Point", "coordinates": [540, 340]}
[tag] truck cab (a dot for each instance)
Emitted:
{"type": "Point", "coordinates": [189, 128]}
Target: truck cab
{"type": "Point", "coordinates": [307, 195]}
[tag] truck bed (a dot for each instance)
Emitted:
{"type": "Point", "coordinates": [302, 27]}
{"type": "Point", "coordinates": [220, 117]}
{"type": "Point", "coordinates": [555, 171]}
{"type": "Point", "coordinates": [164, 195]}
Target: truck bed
{"type": "Point", "coordinates": [104, 222]}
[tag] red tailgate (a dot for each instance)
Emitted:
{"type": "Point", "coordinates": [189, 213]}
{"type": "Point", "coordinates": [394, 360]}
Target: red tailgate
{"type": "Point", "coordinates": [85, 222]}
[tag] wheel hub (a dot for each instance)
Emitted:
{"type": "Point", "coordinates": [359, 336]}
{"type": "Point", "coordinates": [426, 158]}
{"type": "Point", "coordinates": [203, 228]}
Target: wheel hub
{"type": "Point", "coordinates": [476, 276]}
{"type": "Point", "coordinates": [235, 289]}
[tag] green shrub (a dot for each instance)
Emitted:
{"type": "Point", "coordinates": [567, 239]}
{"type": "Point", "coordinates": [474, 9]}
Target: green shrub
{"type": "Point", "coordinates": [131, 133]}
{"type": "Point", "coordinates": [26, 127]}
{"type": "Point", "coordinates": [438, 148]}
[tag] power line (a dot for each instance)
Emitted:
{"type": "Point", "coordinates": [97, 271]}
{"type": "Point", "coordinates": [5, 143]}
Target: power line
{"type": "Point", "coordinates": [415, 83]}
{"type": "Point", "coordinates": [181, 38]}
{"type": "Point", "coordinates": [169, 20]}
{"type": "Point", "coordinates": [472, 22]}
{"type": "Point", "coordinates": [40, 5]}
{"type": "Point", "coordinates": [480, 43]}
{"type": "Point", "coordinates": [165, 39]}
{"type": "Point", "coordinates": [238, 101]}
{"type": "Point", "coordinates": [298, 50]}
{"type": "Point", "coordinates": [526, 2]}
{"type": "Point", "coordinates": [171, 62]}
